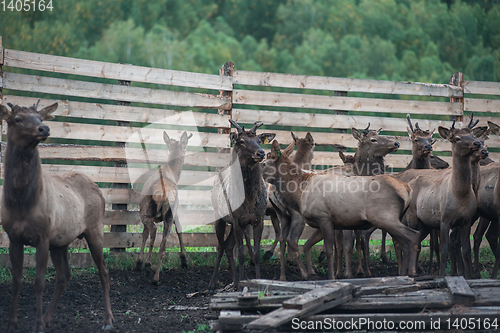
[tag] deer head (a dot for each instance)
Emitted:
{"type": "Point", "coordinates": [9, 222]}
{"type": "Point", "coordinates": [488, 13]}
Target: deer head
{"type": "Point", "coordinates": [464, 141]}
{"type": "Point", "coordinates": [246, 144]}
{"type": "Point", "coordinates": [25, 127]}
{"type": "Point", "coordinates": [376, 145]}
{"type": "Point", "coordinates": [421, 141]}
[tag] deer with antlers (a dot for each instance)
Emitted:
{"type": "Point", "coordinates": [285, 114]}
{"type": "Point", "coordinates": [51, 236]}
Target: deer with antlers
{"type": "Point", "coordinates": [445, 199]}
{"type": "Point", "coordinates": [239, 198]}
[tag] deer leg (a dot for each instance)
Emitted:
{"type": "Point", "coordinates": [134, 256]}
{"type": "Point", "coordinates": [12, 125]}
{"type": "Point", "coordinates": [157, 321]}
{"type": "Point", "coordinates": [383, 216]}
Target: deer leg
{"type": "Point", "coordinates": [178, 230]}
{"type": "Point", "coordinates": [59, 258]}
{"type": "Point", "coordinates": [152, 239]}
{"type": "Point", "coordinates": [277, 231]}
{"type": "Point", "coordinates": [16, 254]}
{"type": "Point", "coordinates": [348, 249]}
{"type": "Point", "coordinates": [454, 247]}
{"type": "Point", "coordinates": [383, 253]}
{"type": "Point", "coordinates": [466, 250]}
{"type": "Point", "coordinates": [285, 222]}
{"type": "Point", "coordinates": [145, 235]}
{"type": "Point", "coordinates": [359, 251]}
{"type": "Point", "coordinates": [296, 228]}
{"type": "Point", "coordinates": [257, 236]}
{"type": "Point", "coordinates": [95, 240]}
{"type": "Point", "coordinates": [238, 236]}
{"type": "Point", "coordinates": [365, 247]}
{"type": "Point", "coordinates": [481, 228]}
{"type": "Point", "coordinates": [167, 225]}
{"type": "Point", "coordinates": [229, 246]}
{"type": "Point", "coordinates": [249, 243]}
{"type": "Point", "coordinates": [444, 237]}
{"type": "Point", "coordinates": [338, 237]}
{"type": "Point", "coordinates": [433, 248]}
{"type": "Point", "coordinates": [220, 228]}
{"type": "Point", "coordinates": [326, 227]}
{"type": "Point", "coordinates": [42, 257]}
{"type": "Point", "coordinates": [424, 231]}
{"type": "Point", "coordinates": [315, 238]}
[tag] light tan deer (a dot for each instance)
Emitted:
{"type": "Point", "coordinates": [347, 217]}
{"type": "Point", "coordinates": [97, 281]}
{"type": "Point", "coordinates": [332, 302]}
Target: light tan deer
{"type": "Point", "coordinates": [159, 202]}
{"type": "Point", "coordinates": [328, 200]}
{"type": "Point", "coordinates": [443, 199]}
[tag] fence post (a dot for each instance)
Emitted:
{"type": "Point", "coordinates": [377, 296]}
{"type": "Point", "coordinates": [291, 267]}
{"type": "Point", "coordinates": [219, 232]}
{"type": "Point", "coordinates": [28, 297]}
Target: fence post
{"type": "Point", "coordinates": [1, 101]}
{"type": "Point", "coordinates": [121, 228]}
{"type": "Point", "coordinates": [227, 69]}
{"type": "Point", "coordinates": [335, 112]}
{"type": "Point", "coordinates": [457, 79]}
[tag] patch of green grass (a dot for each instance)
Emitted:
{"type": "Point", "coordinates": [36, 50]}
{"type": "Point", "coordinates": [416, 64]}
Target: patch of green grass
{"type": "Point", "coordinates": [201, 328]}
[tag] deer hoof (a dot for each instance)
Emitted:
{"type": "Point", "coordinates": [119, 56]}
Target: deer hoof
{"type": "Point", "coordinates": [154, 282]}
{"type": "Point", "coordinates": [107, 327]}
{"type": "Point", "coordinates": [268, 255]}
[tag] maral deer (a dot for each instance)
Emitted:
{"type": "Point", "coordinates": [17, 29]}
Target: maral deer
{"type": "Point", "coordinates": [46, 212]}
{"type": "Point", "coordinates": [327, 201]}
{"type": "Point", "coordinates": [159, 202]}
{"type": "Point", "coordinates": [239, 198]}
{"type": "Point", "coordinates": [444, 200]}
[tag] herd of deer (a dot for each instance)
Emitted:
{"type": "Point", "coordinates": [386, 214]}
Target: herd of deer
{"type": "Point", "coordinates": [341, 203]}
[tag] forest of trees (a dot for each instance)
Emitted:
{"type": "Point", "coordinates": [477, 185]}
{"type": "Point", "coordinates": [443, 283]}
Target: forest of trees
{"type": "Point", "coordinates": [409, 40]}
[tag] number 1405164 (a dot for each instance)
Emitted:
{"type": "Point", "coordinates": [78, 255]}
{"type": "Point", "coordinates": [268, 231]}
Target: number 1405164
{"type": "Point", "coordinates": [26, 5]}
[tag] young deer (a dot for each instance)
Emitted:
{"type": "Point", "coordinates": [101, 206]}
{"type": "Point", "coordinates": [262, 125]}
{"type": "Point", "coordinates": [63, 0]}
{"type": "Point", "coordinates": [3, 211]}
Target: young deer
{"type": "Point", "coordinates": [46, 212]}
{"type": "Point", "coordinates": [239, 198]}
{"type": "Point", "coordinates": [159, 202]}
{"type": "Point", "coordinates": [330, 200]}
{"type": "Point", "coordinates": [443, 199]}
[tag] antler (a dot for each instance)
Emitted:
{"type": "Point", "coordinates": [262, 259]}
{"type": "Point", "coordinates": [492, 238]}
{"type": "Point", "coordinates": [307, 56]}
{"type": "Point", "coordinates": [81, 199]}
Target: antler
{"type": "Point", "coordinates": [238, 127]}
{"type": "Point", "coordinates": [453, 125]}
{"type": "Point", "coordinates": [472, 123]}
{"type": "Point", "coordinates": [409, 123]}
{"type": "Point", "coordinates": [36, 105]}
{"type": "Point", "coordinates": [418, 127]}
{"type": "Point", "coordinates": [365, 131]}
{"type": "Point", "coordinates": [190, 136]}
{"type": "Point", "coordinates": [256, 125]}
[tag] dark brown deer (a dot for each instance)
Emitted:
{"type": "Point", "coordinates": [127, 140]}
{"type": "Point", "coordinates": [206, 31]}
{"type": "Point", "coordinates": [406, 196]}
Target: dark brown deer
{"type": "Point", "coordinates": [239, 198]}
{"type": "Point", "coordinates": [159, 202]}
{"type": "Point", "coordinates": [330, 200]}
{"type": "Point", "coordinates": [46, 212]}
{"type": "Point", "coordinates": [443, 199]}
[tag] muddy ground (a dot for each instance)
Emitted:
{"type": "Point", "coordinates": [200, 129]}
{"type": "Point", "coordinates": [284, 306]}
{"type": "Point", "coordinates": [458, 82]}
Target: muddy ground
{"type": "Point", "coordinates": [137, 305]}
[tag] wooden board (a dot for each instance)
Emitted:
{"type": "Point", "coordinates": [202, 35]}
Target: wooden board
{"type": "Point", "coordinates": [344, 84]}
{"type": "Point", "coordinates": [482, 87]}
{"type": "Point", "coordinates": [264, 98]}
{"type": "Point", "coordinates": [482, 105]}
{"type": "Point", "coordinates": [116, 92]}
{"type": "Point", "coordinates": [460, 290]}
{"type": "Point", "coordinates": [129, 155]}
{"type": "Point", "coordinates": [125, 113]}
{"type": "Point", "coordinates": [108, 70]}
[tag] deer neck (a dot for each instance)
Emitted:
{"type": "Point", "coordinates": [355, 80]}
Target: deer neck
{"type": "Point", "coordinates": [461, 180]}
{"type": "Point", "coordinates": [173, 167]}
{"type": "Point", "coordinates": [22, 176]}
{"type": "Point", "coordinates": [421, 162]}
{"type": "Point", "coordinates": [476, 175]}
{"type": "Point", "coordinates": [303, 158]}
{"type": "Point", "coordinates": [368, 165]}
{"type": "Point", "coordinates": [290, 182]}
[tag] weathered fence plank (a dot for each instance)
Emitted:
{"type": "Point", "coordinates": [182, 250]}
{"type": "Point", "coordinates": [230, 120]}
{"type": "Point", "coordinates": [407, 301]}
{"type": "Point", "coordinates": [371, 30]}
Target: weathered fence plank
{"type": "Point", "coordinates": [344, 84]}
{"type": "Point", "coordinates": [58, 64]}
{"type": "Point", "coordinates": [482, 87]}
{"type": "Point", "coordinates": [48, 85]}
{"type": "Point", "coordinates": [265, 98]}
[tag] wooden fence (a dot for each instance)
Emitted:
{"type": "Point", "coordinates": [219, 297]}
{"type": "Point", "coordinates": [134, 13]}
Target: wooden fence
{"type": "Point", "coordinates": [104, 105]}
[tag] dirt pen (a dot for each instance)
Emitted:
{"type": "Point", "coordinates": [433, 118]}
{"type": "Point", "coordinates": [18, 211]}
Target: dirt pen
{"type": "Point", "coordinates": [111, 118]}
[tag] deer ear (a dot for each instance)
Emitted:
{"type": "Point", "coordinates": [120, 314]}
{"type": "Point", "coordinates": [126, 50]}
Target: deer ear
{"type": "Point", "coordinates": [309, 137]}
{"type": "Point", "coordinates": [289, 150]}
{"type": "Point", "coordinates": [294, 137]}
{"type": "Point", "coordinates": [444, 132]}
{"type": "Point", "coordinates": [479, 131]}
{"type": "Point", "coordinates": [275, 147]}
{"type": "Point", "coordinates": [356, 134]}
{"type": "Point", "coordinates": [184, 139]}
{"type": "Point", "coordinates": [233, 137]}
{"type": "Point", "coordinates": [342, 156]}
{"type": "Point", "coordinates": [495, 129]}
{"type": "Point", "coordinates": [4, 112]}
{"type": "Point", "coordinates": [46, 112]}
{"type": "Point", "coordinates": [266, 138]}
{"type": "Point", "coordinates": [166, 138]}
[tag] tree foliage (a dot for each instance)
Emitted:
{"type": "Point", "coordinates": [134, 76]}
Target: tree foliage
{"type": "Point", "coordinates": [414, 40]}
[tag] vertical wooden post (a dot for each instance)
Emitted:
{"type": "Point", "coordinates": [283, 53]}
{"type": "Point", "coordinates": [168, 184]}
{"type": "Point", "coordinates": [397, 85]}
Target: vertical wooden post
{"type": "Point", "coordinates": [457, 79]}
{"type": "Point", "coordinates": [1, 101]}
{"type": "Point", "coordinates": [336, 130]}
{"type": "Point", "coordinates": [118, 206]}
{"type": "Point", "coordinates": [227, 69]}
